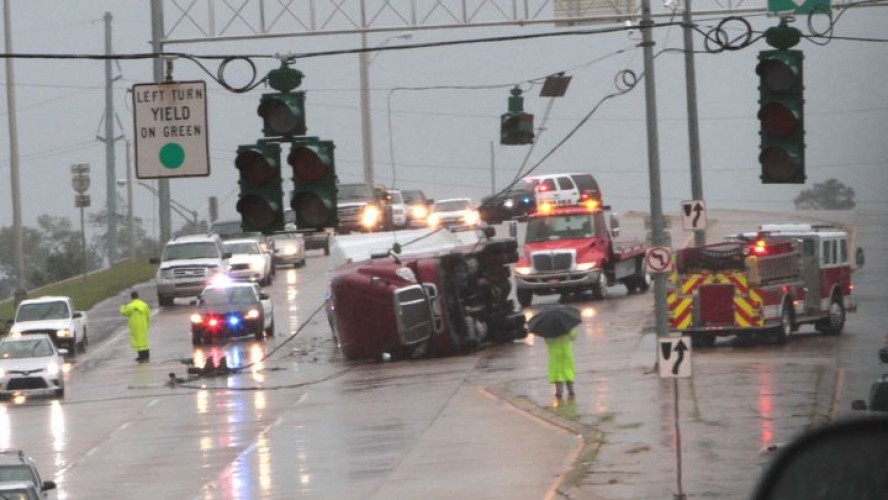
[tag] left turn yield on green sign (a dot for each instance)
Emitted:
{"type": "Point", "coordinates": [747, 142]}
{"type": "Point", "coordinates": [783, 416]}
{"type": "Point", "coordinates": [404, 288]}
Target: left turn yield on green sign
{"type": "Point", "coordinates": [171, 133]}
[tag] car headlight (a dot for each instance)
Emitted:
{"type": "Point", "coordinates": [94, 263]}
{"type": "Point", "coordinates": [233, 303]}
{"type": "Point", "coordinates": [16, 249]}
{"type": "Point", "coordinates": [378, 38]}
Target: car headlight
{"type": "Point", "coordinates": [434, 220]}
{"type": "Point", "coordinates": [166, 274]}
{"type": "Point", "coordinates": [509, 203]}
{"type": "Point", "coordinates": [522, 270]}
{"type": "Point", "coordinates": [471, 218]}
{"type": "Point", "coordinates": [370, 216]}
{"type": "Point", "coordinates": [419, 212]}
{"type": "Point", "coordinates": [2, 373]}
{"type": "Point", "coordinates": [64, 332]}
{"type": "Point", "coordinates": [289, 250]}
{"type": "Point", "coordinates": [252, 314]}
{"type": "Point", "coordinates": [52, 369]}
{"type": "Point", "coordinates": [196, 319]}
{"type": "Point", "coordinates": [586, 266]}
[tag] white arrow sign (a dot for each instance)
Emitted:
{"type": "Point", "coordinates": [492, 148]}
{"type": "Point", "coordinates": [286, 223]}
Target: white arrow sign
{"type": "Point", "coordinates": [674, 357]}
{"type": "Point", "coordinates": [693, 215]}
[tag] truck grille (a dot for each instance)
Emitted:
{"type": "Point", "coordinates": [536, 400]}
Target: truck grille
{"type": "Point", "coordinates": [189, 272]}
{"type": "Point", "coordinates": [552, 261]}
{"type": "Point", "coordinates": [349, 215]}
{"type": "Point", "coordinates": [24, 383]}
{"type": "Point", "coordinates": [50, 332]}
{"type": "Point", "coordinates": [413, 315]}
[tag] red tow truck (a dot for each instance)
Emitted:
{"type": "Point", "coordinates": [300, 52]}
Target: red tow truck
{"type": "Point", "coordinates": [570, 249]}
{"type": "Point", "coordinates": [764, 283]}
{"type": "Point", "coordinates": [436, 302]}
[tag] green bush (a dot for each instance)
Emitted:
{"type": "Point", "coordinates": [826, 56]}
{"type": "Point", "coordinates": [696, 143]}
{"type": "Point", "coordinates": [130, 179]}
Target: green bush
{"type": "Point", "coordinates": [90, 290]}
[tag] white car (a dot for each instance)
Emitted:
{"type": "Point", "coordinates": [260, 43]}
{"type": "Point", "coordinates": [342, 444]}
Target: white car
{"type": "Point", "coordinates": [398, 208]}
{"type": "Point", "coordinates": [289, 248]}
{"type": "Point", "coordinates": [31, 365]}
{"type": "Point", "coordinates": [248, 261]}
{"type": "Point", "coordinates": [454, 214]}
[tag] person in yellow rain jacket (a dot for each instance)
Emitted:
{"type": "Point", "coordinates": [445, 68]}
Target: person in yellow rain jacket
{"type": "Point", "coordinates": [561, 362]}
{"type": "Point", "coordinates": [139, 321]}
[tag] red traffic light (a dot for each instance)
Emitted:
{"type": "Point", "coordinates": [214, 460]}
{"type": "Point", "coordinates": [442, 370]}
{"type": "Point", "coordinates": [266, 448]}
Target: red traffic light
{"type": "Point", "coordinates": [778, 120]}
{"type": "Point", "coordinates": [307, 165]}
{"type": "Point", "coordinates": [255, 167]}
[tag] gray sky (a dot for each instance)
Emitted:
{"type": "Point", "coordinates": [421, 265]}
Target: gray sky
{"type": "Point", "coordinates": [441, 138]}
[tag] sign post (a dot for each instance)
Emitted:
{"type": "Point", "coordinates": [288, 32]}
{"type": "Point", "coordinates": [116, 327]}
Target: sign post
{"type": "Point", "coordinates": [171, 130]}
{"type": "Point", "coordinates": [674, 361]}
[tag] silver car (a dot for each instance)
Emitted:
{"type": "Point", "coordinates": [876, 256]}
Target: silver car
{"type": "Point", "coordinates": [31, 365]}
{"type": "Point", "coordinates": [289, 248]}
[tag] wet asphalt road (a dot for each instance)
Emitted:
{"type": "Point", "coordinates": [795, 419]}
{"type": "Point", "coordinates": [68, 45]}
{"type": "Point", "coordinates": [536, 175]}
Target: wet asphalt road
{"type": "Point", "coordinates": [305, 423]}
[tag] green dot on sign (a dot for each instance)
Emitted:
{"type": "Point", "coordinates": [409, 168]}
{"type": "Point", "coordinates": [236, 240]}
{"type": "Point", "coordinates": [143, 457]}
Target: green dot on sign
{"type": "Point", "coordinates": [172, 155]}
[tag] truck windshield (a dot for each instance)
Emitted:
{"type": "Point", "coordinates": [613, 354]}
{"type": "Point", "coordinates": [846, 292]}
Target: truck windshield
{"type": "Point", "coordinates": [191, 251]}
{"type": "Point", "coordinates": [43, 310]}
{"type": "Point", "coordinates": [560, 227]}
{"type": "Point", "coordinates": [355, 192]}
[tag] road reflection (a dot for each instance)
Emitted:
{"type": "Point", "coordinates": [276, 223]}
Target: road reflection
{"type": "Point", "coordinates": [765, 405]}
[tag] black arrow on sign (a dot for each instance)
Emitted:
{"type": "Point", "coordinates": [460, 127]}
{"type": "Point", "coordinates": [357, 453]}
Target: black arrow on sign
{"type": "Point", "coordinates": [680, 348]}
{"type": "Point", "coordinates": [698, 208]}
{"type": "Point", "coordinates": [660, 257]}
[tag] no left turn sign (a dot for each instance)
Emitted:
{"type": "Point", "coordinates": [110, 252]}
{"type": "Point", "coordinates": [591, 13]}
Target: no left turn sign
{"type": "Point", "coordinates": [658, 260]}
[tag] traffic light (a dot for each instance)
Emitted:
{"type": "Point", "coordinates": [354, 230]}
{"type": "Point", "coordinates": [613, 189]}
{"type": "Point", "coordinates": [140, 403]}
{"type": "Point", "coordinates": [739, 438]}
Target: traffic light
{"type": "Point", "coordinates": [781, 116]}
{"type": "Point", "coordinates": [314, 183]}
{"type": "Point", "coordinates": [260, 202]}
{"type": "Point", "coordinates": [516, 126]}
{"type": "Point", "coordinates": [283, 114]}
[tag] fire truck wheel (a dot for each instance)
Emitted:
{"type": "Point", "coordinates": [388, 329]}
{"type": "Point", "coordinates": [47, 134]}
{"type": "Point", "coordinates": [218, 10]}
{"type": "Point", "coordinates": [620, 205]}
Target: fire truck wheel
{"type": "Point", "coordinates": [781, 333]}
{"type": "Point", "coordinates": [702, 340]}
{"type": "Point", "coordinates": [525, 297]}
{"type": "Point", "coordinates": [835, 322]}
{"type": "Point", "coordinates": [644, 282]}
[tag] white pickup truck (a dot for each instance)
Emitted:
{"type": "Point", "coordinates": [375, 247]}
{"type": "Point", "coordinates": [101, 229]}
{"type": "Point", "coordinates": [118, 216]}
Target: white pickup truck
{"type": "Point", "coordinates": [55, 316]}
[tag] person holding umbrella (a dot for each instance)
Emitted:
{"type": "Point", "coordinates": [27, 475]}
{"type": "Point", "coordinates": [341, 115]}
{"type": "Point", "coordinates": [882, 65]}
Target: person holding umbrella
{"type": "Point", "coordinates": [558, 326]}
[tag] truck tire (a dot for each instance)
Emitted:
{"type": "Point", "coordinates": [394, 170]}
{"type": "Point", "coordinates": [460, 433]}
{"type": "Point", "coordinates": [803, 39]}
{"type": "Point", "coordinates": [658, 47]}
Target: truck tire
{"type": "Point", "coordinates": [326, 248]}
{"type": "Point", "coordinates": [644, 282]}
{"type": "Point", "coordinates": [163, 300]}
{"type": "Point", "coordinates": [787, 324]}
{"type": "Point", "coordinates": [269, 332]}
{"type": "Point", "coordinates": [835, 322]}
{"type": "Point", "coordinates": [81, 346]}
{"type": "Point", "coordinates": [599, 289]}
{"type": "Point", "coordinates": [702, 340]}
{"type": "Point", "coordinates": [525, 297]}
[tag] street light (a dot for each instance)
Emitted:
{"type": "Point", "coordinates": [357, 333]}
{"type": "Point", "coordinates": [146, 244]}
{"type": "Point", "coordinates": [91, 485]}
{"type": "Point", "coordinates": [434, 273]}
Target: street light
{"type": "Point", "coordinates": [366, 125]}
{"type": "Point", "coordinates": [186, 213]}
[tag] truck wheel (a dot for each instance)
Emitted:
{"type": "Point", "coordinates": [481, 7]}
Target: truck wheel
{"type": "Point", "coordinates": [835, 322]}
{"type": "Point", "coordinates": [644, 282]}
{"type": "Point", "coordinates": [631, 285]}
{"type": "Point", "coordinates": [81, 346]}
{"type": "Point", "coordinates": [525, 297]}
{"type": "Point", "coordinates": [163, 300]}
{"type": "Point", "coordinates": [327, 248]}
{"type": "Point", "coordinates": [702, 340]}
{"type": "Point", "coordinates": [599, 289]}
{"type": "Point", "coordinates": [787, 325]}
{"type": "Point", "coordinates": [269, 332]}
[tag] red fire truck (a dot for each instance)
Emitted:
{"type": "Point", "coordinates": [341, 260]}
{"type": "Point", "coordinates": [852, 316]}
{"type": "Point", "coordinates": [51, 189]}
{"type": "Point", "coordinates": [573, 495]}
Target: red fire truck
{"type": "Point", "coordinates": [570, 249]}
{"type": "Point", "coordinates": [433, 303]}
{"type": "Point", "coordinates": [766, 283]}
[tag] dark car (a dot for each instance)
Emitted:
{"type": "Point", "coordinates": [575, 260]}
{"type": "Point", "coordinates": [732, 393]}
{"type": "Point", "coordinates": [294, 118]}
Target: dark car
{"type": "Point", "coordinates": [418, 207]}
{"type": "Point", "coordinates": [231, 310]}
{"type": "Point", "coordinates": [515, 203]}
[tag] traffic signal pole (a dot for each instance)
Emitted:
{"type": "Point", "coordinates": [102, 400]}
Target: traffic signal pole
{"type": "Point", "coordinates": [693, 124]}
{"type": "Point", "coordinates": [163, 185]}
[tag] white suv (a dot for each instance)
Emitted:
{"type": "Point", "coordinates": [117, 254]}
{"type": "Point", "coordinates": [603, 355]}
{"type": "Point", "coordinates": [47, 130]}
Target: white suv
{"type": "Point", "coordinates": [564, 189]}
{"type": "Point", "coordinates": [187, 265]}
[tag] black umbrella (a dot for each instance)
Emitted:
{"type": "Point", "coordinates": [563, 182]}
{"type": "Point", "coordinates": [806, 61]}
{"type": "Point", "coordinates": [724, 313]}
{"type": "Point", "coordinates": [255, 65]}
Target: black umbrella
{"type": "Point", "coordinates": [554, 322]}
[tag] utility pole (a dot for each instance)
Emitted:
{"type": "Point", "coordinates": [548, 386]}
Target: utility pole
{"type": "Point", "coordinates": [17, 229]}
{"type": "Point", "coordinates": [110, 167]}
{"type": "Point", "coordinates": [492, 170]}
{"type": "Point", "coordinates": [129, 204]}
{"type": "Point", "coordinates": [366, 123]}
{"type": "Point", "coordinates": [650, 91]}
{"type": "Point", "coordinates": [163, 185]}
{"type": "Point", "coordinates": [693, 124]}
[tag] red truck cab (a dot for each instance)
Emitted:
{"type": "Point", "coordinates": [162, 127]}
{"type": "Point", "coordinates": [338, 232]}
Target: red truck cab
{"type": "Point", "coordinates": [432, 303]}
{"type": "Point", "coordinates": [571, 249]}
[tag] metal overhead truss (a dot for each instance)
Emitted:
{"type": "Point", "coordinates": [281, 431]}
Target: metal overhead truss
{"type": "Point", "coordinates": [191, 21]}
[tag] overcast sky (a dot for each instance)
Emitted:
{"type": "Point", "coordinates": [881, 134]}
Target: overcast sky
{"type": "Point", "coordinates": [442, 138]}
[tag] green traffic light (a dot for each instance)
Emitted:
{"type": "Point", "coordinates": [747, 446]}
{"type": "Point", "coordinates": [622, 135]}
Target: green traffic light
{"type": "Point", "coordinates": [781, 116]}
{"type": "Point", "coordinates": [314, 183]}
{"type": "Point", "coordinates": [260, 201]}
